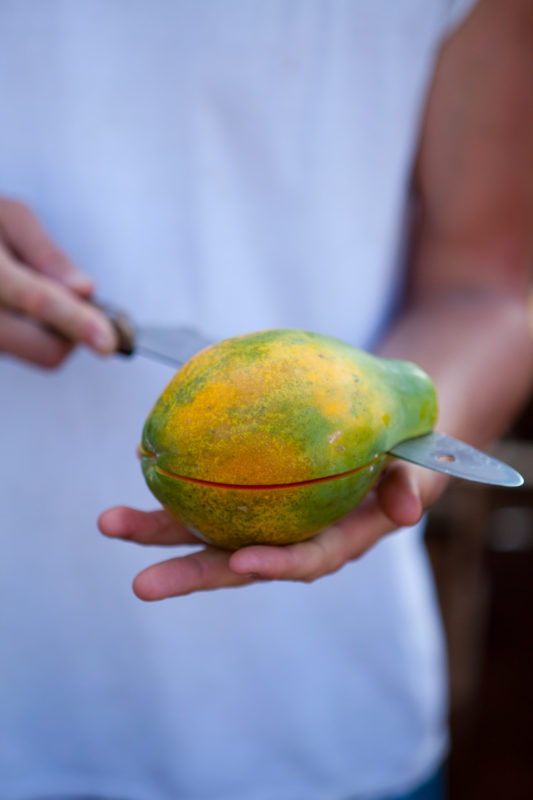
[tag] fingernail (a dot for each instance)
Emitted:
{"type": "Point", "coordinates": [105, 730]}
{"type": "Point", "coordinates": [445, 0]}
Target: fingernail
{"type": "Point", "coordinates": [101, 339]}
{"type": "Point", "coordinates": [77, 280]}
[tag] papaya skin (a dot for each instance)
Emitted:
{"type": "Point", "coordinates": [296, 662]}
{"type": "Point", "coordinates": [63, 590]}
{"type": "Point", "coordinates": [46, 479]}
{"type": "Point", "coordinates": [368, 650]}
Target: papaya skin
{"type": "Point", "coordinates": [236, 516]}
{"type": "Point", "coordinates": [272, 436]}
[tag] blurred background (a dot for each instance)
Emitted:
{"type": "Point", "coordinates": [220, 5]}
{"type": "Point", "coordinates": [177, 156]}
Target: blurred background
{"type": "Point", "coordinates": [480, 541]}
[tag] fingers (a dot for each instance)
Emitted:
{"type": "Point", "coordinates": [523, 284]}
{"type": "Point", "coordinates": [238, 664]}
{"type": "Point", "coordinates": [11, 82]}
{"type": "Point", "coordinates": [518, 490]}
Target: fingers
{"type": "Point", "coordinates": [144, 527]}
{"type": "Point", "coordinates": [321, 555]}
{"type": "Point", "coordinates": [213, 568]}
{"type": "Point", "coordinates": [396, 503]}
{"type": "Point", "coordinates": [24, 339]}
{"type": "Point", "coordinates": [304, 561]}
{"type": "Point", "coordinates": [26, 238]}
{"type": "Point", "coordinates": [41, 294]}
{"type": "Point", "coordinates": [406, 490]}
{"type": "Point", "coordinates": [399, 494]}
{"type": "Point", "coordinates": [46, 301]}
{"type": "Point", "coordinates": [208, 569]}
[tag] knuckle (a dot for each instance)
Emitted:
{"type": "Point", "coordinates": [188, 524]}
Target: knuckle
{"type": "Point", "coordinates": [326, 560]}
{"type": "Point", "coordinates": [316, 573]}
{"type": "Point", "coordinates": [32, 300]}
{"type": "Point", "coordinates": [54, 306]}
{"type": "Point", "coordinates": [14, 215]}
{"type": "Point", "coordinates": [13, 206]}
{"type": "Point", "coordinates": [332, 568]}
{"type": "Point", "coordinates": [48, 256]}
{"type": "Point", "coordinates": [72, 318]}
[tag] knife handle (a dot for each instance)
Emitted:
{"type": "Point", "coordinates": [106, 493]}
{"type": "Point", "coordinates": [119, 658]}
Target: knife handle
{"type": "Point", "coordinates": [122, 325]}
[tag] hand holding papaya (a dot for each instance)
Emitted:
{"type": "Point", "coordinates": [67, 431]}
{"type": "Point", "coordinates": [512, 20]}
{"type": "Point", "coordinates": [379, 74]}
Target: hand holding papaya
{"type": "Point", "coordinates": [269, 439]}
{"type": "Point", "coordinates": [42, 308]}
{"type": "Point", "coordinates": [399, 499]}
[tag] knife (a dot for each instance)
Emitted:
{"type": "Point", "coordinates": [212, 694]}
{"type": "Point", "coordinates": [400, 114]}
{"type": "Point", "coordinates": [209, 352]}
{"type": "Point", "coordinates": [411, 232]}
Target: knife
{"type": "Point", "coordinates": [437, 451]}
{"type": "Point", "coordinates": [170, 345]}
{"type": "Point", "coordinates": [443, 453]}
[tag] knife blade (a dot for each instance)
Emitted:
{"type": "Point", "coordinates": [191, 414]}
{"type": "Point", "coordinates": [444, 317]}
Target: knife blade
{"type": "Point", "coordinates": [172, 345]}
{"type": "Point", "coordinates": [167, 344]}
{"type": "Point", "coordinates": [437, 451]}
{"type": "Point", "coordinates": [443, 453]}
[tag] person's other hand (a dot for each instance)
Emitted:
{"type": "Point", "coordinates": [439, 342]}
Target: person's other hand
{"type": "Point", "coordinates": [399, 500]}
{"type": "Point", "coordinates": [42, 308]}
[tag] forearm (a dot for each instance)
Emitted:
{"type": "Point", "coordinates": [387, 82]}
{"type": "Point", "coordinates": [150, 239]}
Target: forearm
{"type": "Point", "coordinates": [478, 348]}
{"type": "Point", "coordinates": [466, 319]}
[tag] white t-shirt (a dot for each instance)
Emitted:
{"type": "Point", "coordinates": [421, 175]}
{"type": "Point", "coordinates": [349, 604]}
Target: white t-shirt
{"type": "Point", "coordinates": [232, 165]}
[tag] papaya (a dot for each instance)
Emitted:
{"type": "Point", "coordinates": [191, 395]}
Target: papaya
{"type": "Point", "coordinates": [270, 437]}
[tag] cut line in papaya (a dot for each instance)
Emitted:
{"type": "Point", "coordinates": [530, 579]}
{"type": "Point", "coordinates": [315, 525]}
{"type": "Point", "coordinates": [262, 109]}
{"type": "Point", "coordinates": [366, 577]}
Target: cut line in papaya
{"type": "Point", "coordinates": [254, 486]}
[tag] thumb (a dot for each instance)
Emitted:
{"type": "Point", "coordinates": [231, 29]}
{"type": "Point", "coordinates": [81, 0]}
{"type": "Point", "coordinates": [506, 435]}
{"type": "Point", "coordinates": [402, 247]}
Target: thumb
{"type": "Point", "coordinates": [399, 495]}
